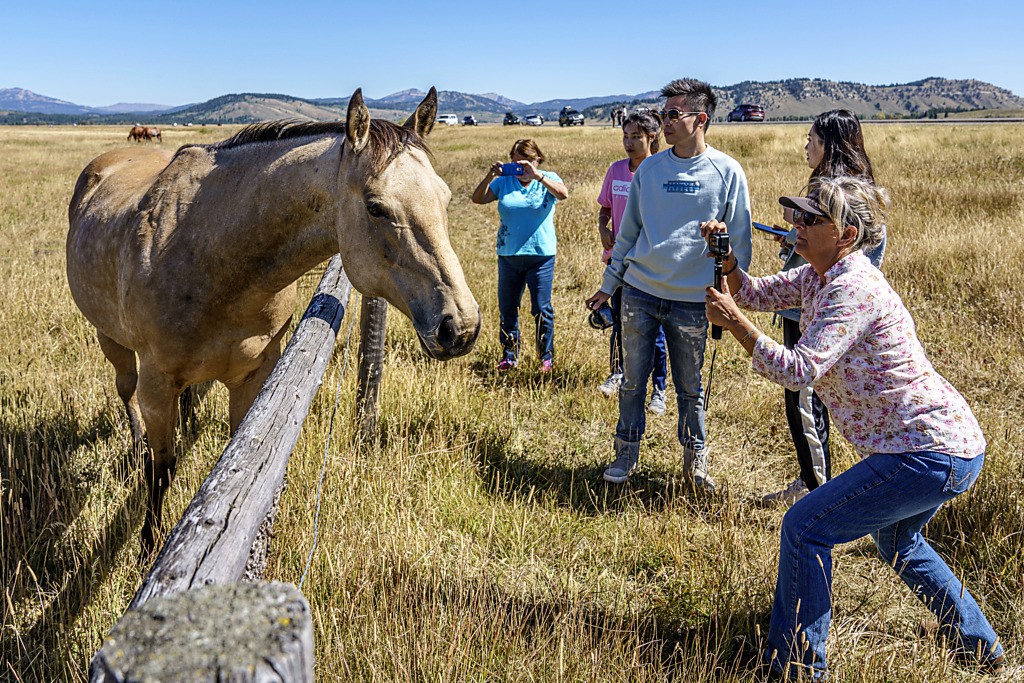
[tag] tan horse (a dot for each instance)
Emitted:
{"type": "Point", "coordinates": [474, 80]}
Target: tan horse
{"type": "Point", "coordinates": [153, 132]}
{"type": "Point", "coordinates": [189, 259]}
{"type": "Point", "coordinates": [137, 133]}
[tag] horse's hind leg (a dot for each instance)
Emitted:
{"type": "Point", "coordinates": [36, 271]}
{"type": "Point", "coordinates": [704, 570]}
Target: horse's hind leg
{"type": "Point", "coordinates": [158, 399]}
{"type": "Point", "coordinates": [127, 379]}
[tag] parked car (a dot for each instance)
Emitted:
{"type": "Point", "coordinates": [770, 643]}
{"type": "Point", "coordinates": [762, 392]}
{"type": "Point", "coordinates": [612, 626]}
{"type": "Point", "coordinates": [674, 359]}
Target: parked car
{"type": "Point", "coordinates": [468, 121]}
{"type": "Point", "coordinates": [747, 112]}
{"type": "Point", "coordinates": [533, 120]}
{"type": "Point", "coordinates": [511, 119]}
{"type": "Point", "coordinates": [450, 119]}
{"type": "Point", "coordinates": [570, 117]}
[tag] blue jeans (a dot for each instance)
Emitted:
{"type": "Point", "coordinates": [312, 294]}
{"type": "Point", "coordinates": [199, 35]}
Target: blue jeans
{"type": "Point", "coordinates": [660, 370]}
{"type": "Point", "coordinates": [685, 328]}
{"type": "Point", "coordinates": [515, 273]}
{"type": "Point", "coordinates": [890, 496]}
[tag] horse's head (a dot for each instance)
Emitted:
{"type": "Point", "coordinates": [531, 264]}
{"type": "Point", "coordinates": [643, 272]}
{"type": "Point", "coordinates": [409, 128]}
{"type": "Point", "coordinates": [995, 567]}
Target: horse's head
{"type": "Point", "coordinates": [393, 228]}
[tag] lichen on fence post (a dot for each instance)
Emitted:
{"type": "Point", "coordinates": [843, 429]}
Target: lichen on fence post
{"type": "Point", "coordinates": [241, 632]}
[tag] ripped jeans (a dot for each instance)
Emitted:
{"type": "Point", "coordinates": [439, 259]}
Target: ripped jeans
{"type": "Point", "coordinates": [686, 329]}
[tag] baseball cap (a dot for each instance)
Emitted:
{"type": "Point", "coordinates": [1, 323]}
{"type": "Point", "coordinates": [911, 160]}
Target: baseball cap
{"type": "Point", "coordinates": [808, 204]}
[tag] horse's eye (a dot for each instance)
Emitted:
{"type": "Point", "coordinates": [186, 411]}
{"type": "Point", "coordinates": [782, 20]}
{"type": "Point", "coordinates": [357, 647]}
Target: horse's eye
{"type": "Point", "coordinates": [375, 210]}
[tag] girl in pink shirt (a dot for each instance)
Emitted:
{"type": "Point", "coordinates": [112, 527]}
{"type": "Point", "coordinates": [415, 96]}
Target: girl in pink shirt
{"type": "Point", "coordinates": [640, 140]}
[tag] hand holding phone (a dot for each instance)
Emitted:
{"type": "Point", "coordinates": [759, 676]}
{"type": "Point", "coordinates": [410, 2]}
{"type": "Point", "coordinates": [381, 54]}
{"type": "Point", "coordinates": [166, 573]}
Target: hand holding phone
{"type": "Point", "coordinates": [772, 230]}
{"type": "Point", "coordinates": [511, 169]}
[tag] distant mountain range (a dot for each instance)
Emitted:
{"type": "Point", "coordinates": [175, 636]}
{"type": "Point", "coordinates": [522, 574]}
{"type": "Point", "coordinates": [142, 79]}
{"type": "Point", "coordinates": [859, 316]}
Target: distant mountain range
{"type": "Point", "coordinates": [802, 98]}
{"type": "Point", "coordinates": [797, 98]}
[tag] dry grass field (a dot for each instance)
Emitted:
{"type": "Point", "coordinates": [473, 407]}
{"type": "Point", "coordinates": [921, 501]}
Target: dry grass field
{"type": "Point", "coordinates": [475, 539]}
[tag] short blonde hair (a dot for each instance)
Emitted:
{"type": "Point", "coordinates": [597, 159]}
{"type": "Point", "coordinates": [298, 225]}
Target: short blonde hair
{"type": "Point", "coordinates": [848, 200]}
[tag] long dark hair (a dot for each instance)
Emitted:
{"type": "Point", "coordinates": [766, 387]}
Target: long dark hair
{"type": "Point", "coordinates": [843, 140]}
{"type": "Point", "coordinates": [647, 124]}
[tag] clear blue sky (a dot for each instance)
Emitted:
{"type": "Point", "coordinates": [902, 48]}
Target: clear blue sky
{"type": "Point", "coordinates": [179, 52]}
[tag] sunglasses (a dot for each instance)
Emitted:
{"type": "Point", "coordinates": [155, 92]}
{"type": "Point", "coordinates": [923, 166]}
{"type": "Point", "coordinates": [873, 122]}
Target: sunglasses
{"type": "Point", "coordinates": [807, 218]}
{"type": "Point", "coordinates": [674, 114]}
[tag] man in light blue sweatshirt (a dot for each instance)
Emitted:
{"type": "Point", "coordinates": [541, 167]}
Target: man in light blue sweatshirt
{"type": "Point", "coordinates": [660, 261]}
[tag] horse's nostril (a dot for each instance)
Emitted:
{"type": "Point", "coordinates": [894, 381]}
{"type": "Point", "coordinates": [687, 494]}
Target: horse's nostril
{"type": "Point", "coordinates": [446, 334]}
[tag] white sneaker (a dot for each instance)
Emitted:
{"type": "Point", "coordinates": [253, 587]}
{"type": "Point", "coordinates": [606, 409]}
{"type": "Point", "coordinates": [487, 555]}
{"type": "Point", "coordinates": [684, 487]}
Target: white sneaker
{"type": "Point", "coordinates": [695, 470]}
{"type": "Point", "coordinates": [657, 404]}
{"type": "Point", "coordinates": [610, 387]}
{"type": "Point", "coordinates": [789, 495]}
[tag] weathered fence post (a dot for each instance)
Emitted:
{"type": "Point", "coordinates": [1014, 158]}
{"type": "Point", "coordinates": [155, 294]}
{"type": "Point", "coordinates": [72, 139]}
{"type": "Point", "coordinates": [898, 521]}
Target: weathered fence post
{"type": "Point", "coordinates": [373, 319]}
{"type": "Point", "coordinates": [241, 632]}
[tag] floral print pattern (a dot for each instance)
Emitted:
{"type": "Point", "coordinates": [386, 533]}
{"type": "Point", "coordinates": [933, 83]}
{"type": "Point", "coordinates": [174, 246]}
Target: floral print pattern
{"type": "Point", "coordinates": [860, 351]}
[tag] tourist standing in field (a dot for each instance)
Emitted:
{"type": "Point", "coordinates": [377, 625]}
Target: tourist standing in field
{"type": "Point", "coordinates": [658, 260]}
{"type": "Point", "coordinates": [526, 247]}
{"type": "Point", "coordinates": [835, 147]}
{"type": "Point", "coordinates": [919, 442]}
{"type": "Point", "coordinates": [640, 139]}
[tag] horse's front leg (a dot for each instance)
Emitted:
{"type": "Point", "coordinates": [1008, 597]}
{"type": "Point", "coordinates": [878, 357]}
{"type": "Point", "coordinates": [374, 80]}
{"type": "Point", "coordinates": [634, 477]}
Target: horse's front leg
{"type": "Point", "coordinates": [158, 399]}
{"type": "Point", "coordinates": [242, 394]}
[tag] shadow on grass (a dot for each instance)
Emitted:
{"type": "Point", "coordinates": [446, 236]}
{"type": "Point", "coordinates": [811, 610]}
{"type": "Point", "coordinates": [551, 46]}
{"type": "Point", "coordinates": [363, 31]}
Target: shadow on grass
{"type": "Point", "coordinates": [44, 568]}
{"type": "Point", "coordinates": [496, 622]}
{"type": "Point", "coordinates": [41, 651]}
{"type": "Point", "coordinates": [527, 375]}
{"type": "Point", "coordinates": [50, 482]}
{"type": "Point", "coordinates": [582, 489]}
{"type": "Point", "coordinates": [46, 488]}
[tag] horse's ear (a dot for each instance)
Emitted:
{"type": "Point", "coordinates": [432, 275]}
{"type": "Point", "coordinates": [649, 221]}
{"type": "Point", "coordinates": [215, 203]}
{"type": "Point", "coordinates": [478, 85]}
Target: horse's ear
{"type": "Point", "coordinates": [357, 125]}
{"type": "Point", "coordinates": [422, 120]}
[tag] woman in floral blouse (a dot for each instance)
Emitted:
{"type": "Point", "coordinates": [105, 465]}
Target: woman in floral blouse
{"type": "Point", "coordinates": [919, 442]}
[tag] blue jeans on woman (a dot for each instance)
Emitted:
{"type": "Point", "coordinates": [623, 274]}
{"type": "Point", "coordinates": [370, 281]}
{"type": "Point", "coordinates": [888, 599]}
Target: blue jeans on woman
{"type": "Point", "coordinates": [891, 497]}
{"type": "Point", "coordinates": [660, 370]}
{"type": "Point", "coordinates": [685, 327]}
{"type": "Point", "coordinates": [514, 274]}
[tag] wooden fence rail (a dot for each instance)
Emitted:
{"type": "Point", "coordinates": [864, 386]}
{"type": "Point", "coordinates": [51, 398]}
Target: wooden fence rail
{"type": "Point", "coordinates": [211, 543]}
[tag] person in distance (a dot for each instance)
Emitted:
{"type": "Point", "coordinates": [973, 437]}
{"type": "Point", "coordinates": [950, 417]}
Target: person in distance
{"type": "Point", "coordinates": [526, 247]}
{"type": "Point", "coordinates": [658, 260]}
{"type": "Point", "coordinates": [640, 131]}
{"type": "Point", "coordinates": [835, 147]}
{"type": "Point", "coordinates": [919, 442]}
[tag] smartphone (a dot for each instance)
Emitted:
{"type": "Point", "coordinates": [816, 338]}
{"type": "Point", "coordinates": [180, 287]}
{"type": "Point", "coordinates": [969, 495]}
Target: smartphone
{"type": "Point", "coordinates": [511, 169]}
{"type": "Point", "coordinates": [773, 230]}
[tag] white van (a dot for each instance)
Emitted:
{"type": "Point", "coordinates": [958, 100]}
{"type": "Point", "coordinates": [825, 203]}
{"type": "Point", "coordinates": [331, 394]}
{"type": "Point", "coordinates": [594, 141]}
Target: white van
{"type": "Point", "coordinates": [449, 119]}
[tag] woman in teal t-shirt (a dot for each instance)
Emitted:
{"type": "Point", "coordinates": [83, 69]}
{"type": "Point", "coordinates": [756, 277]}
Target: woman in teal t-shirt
{"type": "Point", "coordinates": [526, 246]}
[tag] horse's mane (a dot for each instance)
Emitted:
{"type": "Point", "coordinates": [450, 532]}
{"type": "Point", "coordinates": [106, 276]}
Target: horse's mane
{"type": "Point", "coordinates": [387, 140]}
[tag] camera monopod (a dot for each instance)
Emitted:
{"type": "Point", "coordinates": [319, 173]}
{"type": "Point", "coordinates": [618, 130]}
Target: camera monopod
{"type": "Point", "coordinates": [718, 244]}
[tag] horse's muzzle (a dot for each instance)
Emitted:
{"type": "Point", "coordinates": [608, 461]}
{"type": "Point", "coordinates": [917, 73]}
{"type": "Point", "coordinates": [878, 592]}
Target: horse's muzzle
{"type": "Point", "coordinates": [451, 339]}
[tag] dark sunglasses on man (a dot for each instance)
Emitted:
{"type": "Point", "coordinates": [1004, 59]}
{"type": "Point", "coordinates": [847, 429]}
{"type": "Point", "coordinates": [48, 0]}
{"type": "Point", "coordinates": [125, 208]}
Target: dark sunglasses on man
{"type": "Point", "coordinates": [674, 115]}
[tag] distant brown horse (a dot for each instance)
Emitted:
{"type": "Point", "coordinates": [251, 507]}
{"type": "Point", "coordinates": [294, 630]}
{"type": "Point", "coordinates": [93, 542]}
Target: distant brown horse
{"type": "Point", "coordinates": [153, 132]}
{"type": "Point", "coordinates": [137, 133]}
{"type": "Point", "coordinates": [189, 259]}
